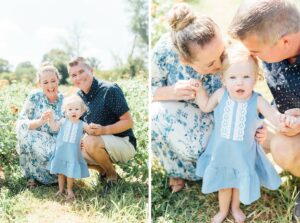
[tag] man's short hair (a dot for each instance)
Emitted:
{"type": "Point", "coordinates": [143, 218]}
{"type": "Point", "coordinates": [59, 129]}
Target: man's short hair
{"type": "Point", "coordinates": [78, 60]}
{"type": "Point", "coordinates": [269, 20]}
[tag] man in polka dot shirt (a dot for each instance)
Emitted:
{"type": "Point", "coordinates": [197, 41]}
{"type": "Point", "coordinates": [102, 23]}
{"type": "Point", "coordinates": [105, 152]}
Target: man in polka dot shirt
{"type": "Point", "coordinates": [108, 116]}
{"type": "Point", "coordinates": [270, 29]}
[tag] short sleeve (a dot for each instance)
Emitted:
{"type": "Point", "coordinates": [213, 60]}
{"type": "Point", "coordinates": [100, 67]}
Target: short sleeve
{"type": "Point", "coordinates": [115, 100]}
{"type": "Point", "coordinates": [159, 67]}
{"type": "Point", "coordinates": [26, 114]}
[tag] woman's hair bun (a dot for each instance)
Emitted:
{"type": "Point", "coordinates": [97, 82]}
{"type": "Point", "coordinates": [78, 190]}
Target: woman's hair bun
{"type": "Point", "coordinates": [180, 16]}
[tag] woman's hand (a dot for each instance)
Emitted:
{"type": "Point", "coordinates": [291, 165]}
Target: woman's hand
{"type": "Point", "coordinates": [46, 117]}
{"type": "Point", "coordinates": [184, 90]}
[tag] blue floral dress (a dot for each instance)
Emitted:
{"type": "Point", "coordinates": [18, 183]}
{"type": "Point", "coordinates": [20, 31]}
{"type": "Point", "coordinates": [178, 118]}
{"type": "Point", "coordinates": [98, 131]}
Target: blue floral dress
{"type": "Point", "coordinates": [36, 147]}
{"type": "Point", "coordinates": [179, 129]}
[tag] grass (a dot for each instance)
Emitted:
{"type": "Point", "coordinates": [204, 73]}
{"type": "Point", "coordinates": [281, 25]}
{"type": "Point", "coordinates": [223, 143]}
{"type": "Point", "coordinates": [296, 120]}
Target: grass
{"type": "Point", "coordinates": [126, 202]}
{"type": "Point", "coordinates": [190, 205]}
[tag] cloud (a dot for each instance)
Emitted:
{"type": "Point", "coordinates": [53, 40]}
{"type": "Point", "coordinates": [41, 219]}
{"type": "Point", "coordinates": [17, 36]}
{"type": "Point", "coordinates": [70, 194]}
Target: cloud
{"type": "Point", "coordinates": [10, 32]}
{"type": "Point", "coordinates": [50, 35]}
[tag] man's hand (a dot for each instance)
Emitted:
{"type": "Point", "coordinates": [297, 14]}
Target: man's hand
{"type": "Point", "coordinates": [294, 129]}
{"type": "Point", "coordinates": [96, 129]}
{"type": "Point", "coordinates": [261, 134]}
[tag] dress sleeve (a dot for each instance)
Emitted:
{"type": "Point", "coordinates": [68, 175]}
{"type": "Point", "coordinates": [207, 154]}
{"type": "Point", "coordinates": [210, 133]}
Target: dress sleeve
{"type": "Point", "coordinates": [159, 72]}
{"type": "Point", "coordinates": [26, 114]}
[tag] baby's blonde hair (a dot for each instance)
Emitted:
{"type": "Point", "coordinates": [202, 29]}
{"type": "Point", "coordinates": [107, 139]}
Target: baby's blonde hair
{"type": "Point", "coordinates": [73, 99]}
{"type": "Point", "coordinates": [47, 67]}
{"type": "Point", "coordinates": [236, 53]}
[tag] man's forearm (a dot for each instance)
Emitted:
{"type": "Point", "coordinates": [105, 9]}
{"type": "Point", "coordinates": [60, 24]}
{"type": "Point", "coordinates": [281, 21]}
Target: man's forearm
{"type": "Point", "coordinates": [118, 127]}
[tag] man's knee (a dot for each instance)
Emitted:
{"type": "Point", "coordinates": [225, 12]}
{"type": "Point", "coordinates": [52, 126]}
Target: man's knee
{"type": "Point", "coordinates": [285, 154]}
{"type": "Point", "coordinates": [92, 143]}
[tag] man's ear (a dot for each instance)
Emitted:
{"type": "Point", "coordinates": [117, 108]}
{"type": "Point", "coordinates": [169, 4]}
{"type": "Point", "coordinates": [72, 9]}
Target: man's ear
{"type": "Point", "coordinates": [285, 41]}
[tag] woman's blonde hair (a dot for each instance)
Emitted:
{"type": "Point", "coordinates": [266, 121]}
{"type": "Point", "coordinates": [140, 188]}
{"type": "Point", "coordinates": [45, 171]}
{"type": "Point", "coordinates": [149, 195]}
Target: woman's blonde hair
{"type": "Point", "coordinates": [189, 28]}
{"type": "Point", "coordinates": [73, 99]}
{"type": "Point", "coordinates": [46, 67]}
{"type": "Point", "coordinates": [235, 52]}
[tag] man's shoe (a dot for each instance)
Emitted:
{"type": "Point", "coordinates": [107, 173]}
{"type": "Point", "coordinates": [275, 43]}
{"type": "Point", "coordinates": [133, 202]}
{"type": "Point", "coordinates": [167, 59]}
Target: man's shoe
{"type": "Point", "coordinates": [101, 178]}
{"type": "Point", "coordinates": [107, 187]}
{"type": "Point", "coordinates": [296, 211]}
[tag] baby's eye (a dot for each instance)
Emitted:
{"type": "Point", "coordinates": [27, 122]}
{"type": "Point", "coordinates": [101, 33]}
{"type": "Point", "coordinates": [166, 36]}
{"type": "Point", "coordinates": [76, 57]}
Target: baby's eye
{"type": "Point", "coordinates": [246, 76]}
{"type": "Point", "coordinates": [232, 77]}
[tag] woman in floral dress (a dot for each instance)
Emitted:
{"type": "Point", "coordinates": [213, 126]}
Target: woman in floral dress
{"type": "Point", "coordinates": [36, 141]}
{"type": "Point", "coordinates": [180, 131]}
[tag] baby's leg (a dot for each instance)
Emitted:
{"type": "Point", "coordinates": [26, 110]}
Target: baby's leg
{"type": "Point", "coordinates": [70, 192]}
{"type": "Point", "coordinates": [224, 203]}
{"type": "Point", "coordinates": [237, 213]}
{"type": "Point", "coordinates": [61, 184]}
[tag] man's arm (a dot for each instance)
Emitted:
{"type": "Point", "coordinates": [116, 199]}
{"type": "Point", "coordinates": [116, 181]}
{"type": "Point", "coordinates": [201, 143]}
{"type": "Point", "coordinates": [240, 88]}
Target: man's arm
{"type": "Point", "coordinates": [125, 123]}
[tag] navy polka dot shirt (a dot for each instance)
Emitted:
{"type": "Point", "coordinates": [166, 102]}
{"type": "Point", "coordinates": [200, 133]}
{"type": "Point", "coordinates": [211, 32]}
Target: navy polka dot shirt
{"type": "Point", "coordinates": [284, 82]}
{"type": "Point", "coordinates": [106, 103]}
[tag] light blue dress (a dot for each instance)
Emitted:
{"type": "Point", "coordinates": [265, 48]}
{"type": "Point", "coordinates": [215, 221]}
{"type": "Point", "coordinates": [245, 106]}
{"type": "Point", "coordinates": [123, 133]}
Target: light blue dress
{"type": "Point", "coordinates": [67, 158]}
{"type": "Point", "coordinates": [36, 147]}
{"type": "Point", "coordinates": [179, 130]}
{"type": "Point", "coordinates": [233, 158]}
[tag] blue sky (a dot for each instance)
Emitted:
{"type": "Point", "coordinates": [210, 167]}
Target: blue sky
{"type": "Point", "coordinates": [29, 29]}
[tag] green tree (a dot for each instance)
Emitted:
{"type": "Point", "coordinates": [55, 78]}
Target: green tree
{"type": "Point", "coordinates": [25, 71]}
{"type": "Point", "coordinates": [73, 44]}
{"type": "Point", "coordinates": [59, 59]}
{"type": "Point", "coordinates": [137, 57]}
{"type": "Point", "coordinates": [4, 66]}
{"type": "Point", "coordinates": [139, 20]}
{"type": "Point", "coordinates": [93, 62]}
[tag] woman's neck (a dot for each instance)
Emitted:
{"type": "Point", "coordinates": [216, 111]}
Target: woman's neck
{"type": "Point", "coordinates": [52, 99]}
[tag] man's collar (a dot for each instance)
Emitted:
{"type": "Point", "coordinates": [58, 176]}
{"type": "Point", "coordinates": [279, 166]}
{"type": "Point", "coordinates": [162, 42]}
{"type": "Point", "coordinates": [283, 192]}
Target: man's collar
{"type": "Point", "coordinates": [92, 90]}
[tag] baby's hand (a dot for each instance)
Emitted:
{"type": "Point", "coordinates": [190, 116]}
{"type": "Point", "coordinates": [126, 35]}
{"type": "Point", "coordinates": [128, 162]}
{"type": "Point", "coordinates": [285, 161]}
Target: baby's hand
{"type": "Point", "coordinates": [88, 130]}
{"type": "Point", "coordinates": [96, 129]}
{"type": "Point", "coordinates": [291, 121]}
{"type": "Point", "coordinates": [46, 116]}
